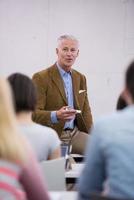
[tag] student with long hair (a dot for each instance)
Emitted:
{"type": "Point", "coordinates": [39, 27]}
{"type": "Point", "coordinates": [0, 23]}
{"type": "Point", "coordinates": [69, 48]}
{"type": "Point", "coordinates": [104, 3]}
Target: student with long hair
{"type": "Point", "coordinates": [20, 176]}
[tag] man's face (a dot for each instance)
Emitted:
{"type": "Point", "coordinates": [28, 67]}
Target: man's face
{"type": "Point", "coordinates": [67, 51]}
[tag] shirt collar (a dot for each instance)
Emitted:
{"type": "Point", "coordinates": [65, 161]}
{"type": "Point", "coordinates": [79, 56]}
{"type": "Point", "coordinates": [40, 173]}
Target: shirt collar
{"type": "Point", "coordinates": [62, 71]}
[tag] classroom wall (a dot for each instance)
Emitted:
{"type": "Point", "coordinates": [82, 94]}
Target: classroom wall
{"type": "Point", "coordinates": [105, 29]}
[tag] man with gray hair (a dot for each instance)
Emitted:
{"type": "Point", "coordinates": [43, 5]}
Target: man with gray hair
{"type": "Point", "coordinates": [62, 97]}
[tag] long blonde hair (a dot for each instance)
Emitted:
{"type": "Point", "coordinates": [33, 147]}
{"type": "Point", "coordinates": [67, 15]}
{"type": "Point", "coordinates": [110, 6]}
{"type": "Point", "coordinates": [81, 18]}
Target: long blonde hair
{"type": "Point", "coordinates": [12, 145]}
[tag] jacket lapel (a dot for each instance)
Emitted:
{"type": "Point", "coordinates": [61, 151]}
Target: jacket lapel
{"type": "Point", "coordinates": [58, 82]}
{"type": "Point", "coordinates": [76, 86]}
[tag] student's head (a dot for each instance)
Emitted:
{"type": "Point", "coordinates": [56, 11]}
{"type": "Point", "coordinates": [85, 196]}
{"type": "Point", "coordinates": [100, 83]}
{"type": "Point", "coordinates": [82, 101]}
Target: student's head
{"type": "Point", "coordinates": [10, 144]}
{"type": "Point", "coordinates": [129, 84]}
{"type": "Point", "coordinates": [121, 103]}
{"type": "Point", "coordinates": [67, 51]}
{"type": "Point", "coordinates": [24, 92]}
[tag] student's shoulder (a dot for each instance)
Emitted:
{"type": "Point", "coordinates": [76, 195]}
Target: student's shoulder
{"type": "Point", "coordinates": [108, 122]}
{"type": "Point", "coordinates": [45, 130]}
{"type": "Point", "coordinates": [105, 118]}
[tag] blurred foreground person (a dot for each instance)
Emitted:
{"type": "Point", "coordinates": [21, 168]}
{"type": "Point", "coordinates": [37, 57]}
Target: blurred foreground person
{"type": "Point", "coordinates": [44, 140]}
{"type": "Point", "coordinates": [110, 152]}
{"type": "Point", "coordinates": [20, 176]}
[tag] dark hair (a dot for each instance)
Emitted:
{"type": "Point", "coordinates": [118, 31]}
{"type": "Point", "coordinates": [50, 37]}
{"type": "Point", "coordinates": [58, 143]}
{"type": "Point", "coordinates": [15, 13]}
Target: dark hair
{"type": "Point", "coordinates": [129, 80]}
{"type": "Point", "coordinates": [24, 92]}
{"type": "Point", "coordinates": [121, 103]}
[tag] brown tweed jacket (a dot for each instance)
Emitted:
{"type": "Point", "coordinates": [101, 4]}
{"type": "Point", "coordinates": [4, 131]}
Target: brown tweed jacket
{"type": "Point", "coordinates": [51, 96]}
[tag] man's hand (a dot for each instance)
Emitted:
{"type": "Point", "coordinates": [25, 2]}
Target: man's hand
{"type": "Point", "coordinates": [66, 113]}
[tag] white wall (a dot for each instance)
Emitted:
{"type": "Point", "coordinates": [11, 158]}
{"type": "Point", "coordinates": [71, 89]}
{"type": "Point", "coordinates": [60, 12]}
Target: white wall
{"type": "Point", "coordinates": [105, 28]}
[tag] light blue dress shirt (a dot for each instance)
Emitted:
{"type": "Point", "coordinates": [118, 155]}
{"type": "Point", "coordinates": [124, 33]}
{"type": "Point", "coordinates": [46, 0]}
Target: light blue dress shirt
{"type": "Point", "coordinates": [110, 157]}
{"type": "Point", "coordinates": [67, 79]}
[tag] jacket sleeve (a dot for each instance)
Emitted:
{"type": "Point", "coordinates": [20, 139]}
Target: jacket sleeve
{"type": "Point", "coordinates": [84, 121]}
{"type": "Point", "coordinates": [87, 110]}
{"type": "Point", "coordinates": [41, 115]}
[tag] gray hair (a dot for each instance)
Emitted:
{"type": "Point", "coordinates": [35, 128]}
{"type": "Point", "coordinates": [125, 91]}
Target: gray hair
{"type": "Point", "coordinates": [68, 37]}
